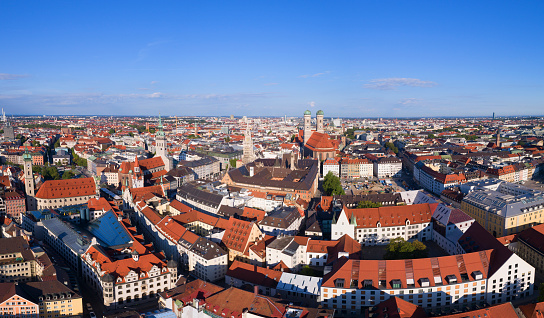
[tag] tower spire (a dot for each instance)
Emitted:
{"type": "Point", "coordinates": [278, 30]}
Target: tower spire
{"type": "Point", "coordinates": [160, 132]}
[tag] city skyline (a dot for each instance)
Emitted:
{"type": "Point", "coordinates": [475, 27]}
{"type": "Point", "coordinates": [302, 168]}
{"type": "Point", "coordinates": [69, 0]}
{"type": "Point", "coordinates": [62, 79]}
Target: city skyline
{"type": "Point", "coordinates": [363, 59]}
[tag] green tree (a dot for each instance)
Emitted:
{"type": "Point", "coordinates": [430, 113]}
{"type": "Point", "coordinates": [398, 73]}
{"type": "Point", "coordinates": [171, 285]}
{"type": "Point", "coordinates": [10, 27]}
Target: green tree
{"type": "Point", "coordinates": [432, 136]}
{"type": "Point", "coordinates": [368, 204]}
{"type": "Point", "coordinates": [78, 160]}
{"type": "Point", "coordinates": [350, 133]}
{"type": "Point", "coordinates": [400, 249]}
{"type": "Point", "coordinates": [332, 185]}
{"type": "Point", "coordinates": [391, 146]}
{"type": "Point", "coordinates": [308, 271]}
{"type": "Point", "coordinates": [57, 143]}
{"type": "Point", "coordinates": [131, 134]}
{"type": "Point", "coordinates": [111, 131]}
{"type": "Point", "coordinates": [68, 174]}
{"type": "Point", "coordinates": [232, 163]}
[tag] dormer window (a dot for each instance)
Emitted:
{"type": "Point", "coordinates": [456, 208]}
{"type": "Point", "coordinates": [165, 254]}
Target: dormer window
{"type": "Point", "coordinates": [477, 275]}
{"type": "Point", "coordinates": [339, 282]}
{"type": "Point", "coordinates": [424, 282]}
{"type": "Point", "coordinates": [396, 283]}
{"type": "Point", "coordinates": [451, 279]}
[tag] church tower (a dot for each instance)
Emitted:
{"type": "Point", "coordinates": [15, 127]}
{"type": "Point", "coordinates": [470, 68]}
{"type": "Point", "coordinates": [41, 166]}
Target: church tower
{"type": "Point", "coordinates": [319, 121]}
{"type": "Point", "coordinates": [248, 155]}
{"type": "Point", "coordinates": [160, 147]}
{"type": "Point", "coordinates": [307, 125]}
{"type": "Point", "coordinates": [29, 182]}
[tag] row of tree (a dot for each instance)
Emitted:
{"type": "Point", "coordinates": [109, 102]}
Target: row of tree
{"type": "Point", "coordinates": [51, 173]}
{"type": "Point", "coordinates": [77, 160]}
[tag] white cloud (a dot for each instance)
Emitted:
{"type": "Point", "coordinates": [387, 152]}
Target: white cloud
{"type": "Point", "coordinates": [6, 76]}
{"type": "Point", "coordinates": [311, 104]}
{"type": "Point", "coordinates": [393, 83]}
{"type": "Point", "coordinates": [153, 82]}
{"type": "Point", "coordinates": [409, 101]}
{"type": "Point", "coordinates": [156, 95]}
{"type": "Point", "coordinates": [314, 75]}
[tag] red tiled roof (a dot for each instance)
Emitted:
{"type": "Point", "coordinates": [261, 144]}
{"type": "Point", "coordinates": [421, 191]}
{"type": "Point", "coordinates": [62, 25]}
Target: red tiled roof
{"type": "Point", "coordinates": [254, 274]}
{"type": "Point", "coordinates": [399, 269]}
{"type": "Point", "coordinates": [233, 301]}
{"type": "Point", "coordinates": [396, 307]}
{"type": "Point", "coordinates": [180, 207]}
{"type": "Point", "coordinates": [236, 237]}
{"type": "Point", "coordinates": [151, 163]}
{"type": "Point", "coordinates": [391, 215]}
{"type": "Point", "coordinates": [505, 310]}
{"type": "Point", "coordinates": [100, 204]}
{"type": "Point", "coordinates": [320, 142]}
{"type": "Point", "coordinates": [54, 189]}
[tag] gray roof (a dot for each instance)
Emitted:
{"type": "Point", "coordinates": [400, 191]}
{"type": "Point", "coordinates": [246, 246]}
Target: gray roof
{"type": "Point", "coordinates": [300, 283]}
{"type": "Point", "coordinates": [269, 171]}
{"type": "Point", "coordinates": [67, 235]}
{"type": "Point", "coordinates": [505, 205]}
{"type": "Point", "coordinates": [191, 192]}
{"type": "Point", "coordinates": [282, 218]}
{"type": "Point", "coordinates": [281, 243]}
{"type": "Point", "coordinates": [207, 249]}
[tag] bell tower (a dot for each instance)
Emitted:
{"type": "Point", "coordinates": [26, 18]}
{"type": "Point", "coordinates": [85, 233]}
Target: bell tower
{"type": "Point", "coordinates": [31, 204]}
{"type": "Point", "coordinates": [319, 121]}
{"type": "Point", "coordinates": [307, 125]}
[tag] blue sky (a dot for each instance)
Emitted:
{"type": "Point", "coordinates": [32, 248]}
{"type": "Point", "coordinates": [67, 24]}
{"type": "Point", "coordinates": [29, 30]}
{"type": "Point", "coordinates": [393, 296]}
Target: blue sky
{"type": "Point", "coordinates": [272, 58]}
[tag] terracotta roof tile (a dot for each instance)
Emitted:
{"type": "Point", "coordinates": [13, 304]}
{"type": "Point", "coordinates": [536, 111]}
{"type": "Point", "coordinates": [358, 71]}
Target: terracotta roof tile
{"type": "Point", "coordinates": [55, 189]}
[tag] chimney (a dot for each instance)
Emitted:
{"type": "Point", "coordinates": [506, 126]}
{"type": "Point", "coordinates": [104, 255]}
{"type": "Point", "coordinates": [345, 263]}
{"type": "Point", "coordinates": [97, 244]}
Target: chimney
{"type": "Point", "coordinates": [255, 290]}
{"type": "Point", "coordinates": [251, 171]}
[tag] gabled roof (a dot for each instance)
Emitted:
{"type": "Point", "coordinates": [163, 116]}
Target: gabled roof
{"type": "Point", "coordinates": [391, 215]}
{"type": "Point", "coordinates": [100, 204]}
{"type": "Point", "coordinates": [233, 301]}
{"type": "Point", "coordinates": [236, 237]}
{"type": "Point", "coordinates": [253, 274]}
{"type": "Point", "coordinates": [151, 163]}
{"type": "Point", "coordinates": [505, 310]}
{"type": "Point", "coordinates": [55, 189]}
{"type": "Point", "coordinates": [320, 142]}
{"type": "Point", "coordinates": [197, 289]}
{"type": "Point", "coordinates": [396, 307]}
{"type": "Point", "coordinates": [432, 270]}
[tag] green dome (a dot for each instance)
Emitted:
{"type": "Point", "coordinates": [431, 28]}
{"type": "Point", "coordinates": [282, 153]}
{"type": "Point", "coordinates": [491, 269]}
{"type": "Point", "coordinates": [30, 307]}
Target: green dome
{"type": "Point", "coordinates": [307, 112]}
{"type": "Point", "coordinates": [320, 112]}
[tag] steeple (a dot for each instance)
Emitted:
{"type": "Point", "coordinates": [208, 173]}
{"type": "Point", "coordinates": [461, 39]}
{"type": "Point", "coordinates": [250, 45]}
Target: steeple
{"type": "Point", "coordinates": [160, 132]}
{"type": "Point", "coordinates": [161, 146]}
{"type": "Point", "coordinates": [136, 165]}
